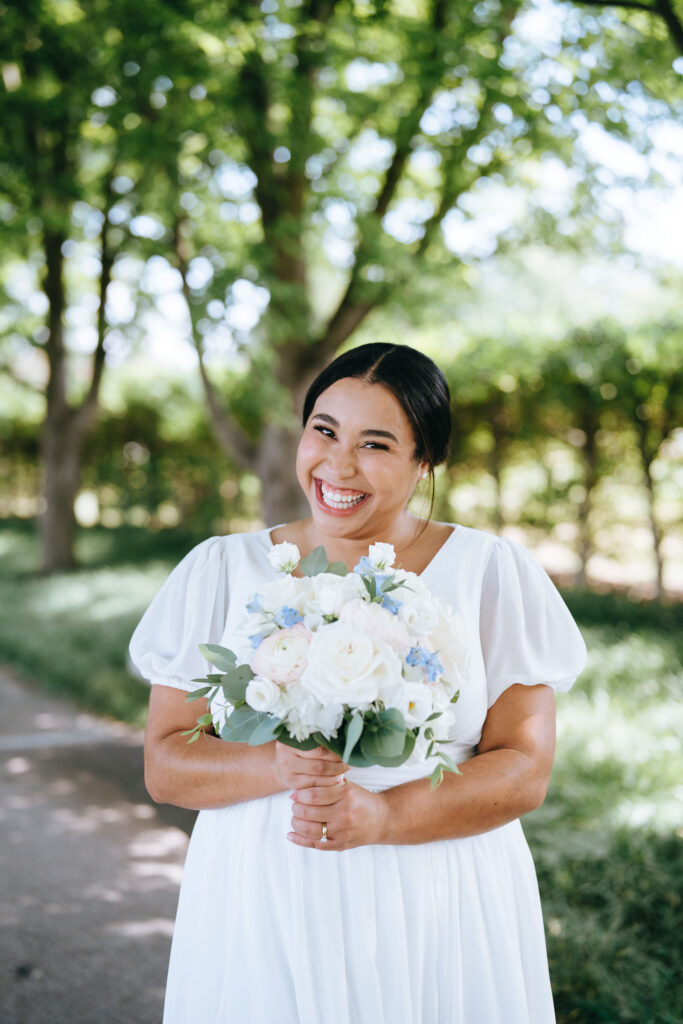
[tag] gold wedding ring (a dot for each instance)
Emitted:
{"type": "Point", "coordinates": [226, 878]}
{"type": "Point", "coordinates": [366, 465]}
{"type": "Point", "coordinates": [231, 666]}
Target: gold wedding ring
{"type": "Point", "coordinates": [323, 838]}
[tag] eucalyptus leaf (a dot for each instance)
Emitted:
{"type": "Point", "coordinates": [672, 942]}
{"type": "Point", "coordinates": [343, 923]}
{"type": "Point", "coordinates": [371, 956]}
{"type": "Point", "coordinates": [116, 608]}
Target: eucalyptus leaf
{"type": "Point", "coordinates": [315, 562]}
{"type": "Point", "coordinates": [338, 568]}
{"type": "Point", "coordinates": [291, 741]}
{"type": "Point", "coordinates": [437, 776]}
{"type": "Point", "coordinates": [394, 762]}
{"type": "Point", "coordinates": [449, 764]}
{"type": "Point", "coordinates": [334, 744]}
{"type": "Point", "coordinates": [240, 725]}
{"type": "Point", "coordinates": [201, 692]}
{"type": "Point", "coordinates": [265, 730]}
{"type": "Point", "coordinates": [388, 740]}
{"type": "Point", "coordinates": [353, 734]}
{"type": "Point", "coordinates": [221, 657]}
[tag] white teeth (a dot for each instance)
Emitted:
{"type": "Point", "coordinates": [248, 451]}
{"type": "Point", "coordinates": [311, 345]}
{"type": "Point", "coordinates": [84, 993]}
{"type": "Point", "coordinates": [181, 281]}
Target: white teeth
{"type": "Point", "coordinates": [337, 500]}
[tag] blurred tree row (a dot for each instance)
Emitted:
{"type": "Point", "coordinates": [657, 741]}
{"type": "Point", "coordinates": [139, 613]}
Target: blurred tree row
{"type": "Point", "coordinates": [319, 156]}
{"type": "Point", "coordinates": [573, 418]}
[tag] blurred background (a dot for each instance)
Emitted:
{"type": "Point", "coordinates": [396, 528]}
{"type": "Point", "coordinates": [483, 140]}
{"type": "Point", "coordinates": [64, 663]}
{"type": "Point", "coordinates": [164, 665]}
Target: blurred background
{"type": "Point", "coordinates": [202, 203]}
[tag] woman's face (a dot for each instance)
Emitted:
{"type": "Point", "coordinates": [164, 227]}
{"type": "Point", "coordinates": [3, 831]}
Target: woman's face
{"type": "Point", "coordinates": [356, 460]}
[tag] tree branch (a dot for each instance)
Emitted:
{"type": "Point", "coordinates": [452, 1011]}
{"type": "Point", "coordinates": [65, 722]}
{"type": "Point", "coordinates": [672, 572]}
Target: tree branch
{"type": "Point", "coordinates": [229, 433]}
{"type": "Point", "coordinates": [663, 8]}
{"type": "Point", "coordinates": [350, 311]}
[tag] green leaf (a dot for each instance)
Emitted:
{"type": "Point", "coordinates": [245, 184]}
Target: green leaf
{"type": "Point", "coordinates": [437, 714]}
{"type": "Point", "coordinates": [394, 762]}
{"type": "Point", "coordinates": [265, 730]}
{"type": "Point", "coordinates": [334, 743]}
{"type": "Point", "coordinates": [240, 725]}
{"type": "Point", "coordinates": [353, 734]}
{"type": "Point", "coordinates": [338, 568]}
{"type": "Point", "coordinates": [201, 692]}
{"type": "Point", "coordinates": [221, 657]}
{"type": "Point", "coordinates": [455, 697]}
{"type": "Point", "coordinates": [437, 776]}
{"type": "Point", "coordinates": [235, 683]}
{"type": "Point", "coordinates": [448, 763]}
{"type": "Point", "coordinates": [290, 741]}
{"type": "Point", "coordinates": [387, 741]}
{"type": "Point", "coordinates": [370, 586]}
{"type": "Point", "coordinates": [315, 562]}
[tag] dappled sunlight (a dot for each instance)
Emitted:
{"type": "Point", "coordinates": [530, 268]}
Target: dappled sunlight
{"type": "Point", "coordinates": [142, 929]}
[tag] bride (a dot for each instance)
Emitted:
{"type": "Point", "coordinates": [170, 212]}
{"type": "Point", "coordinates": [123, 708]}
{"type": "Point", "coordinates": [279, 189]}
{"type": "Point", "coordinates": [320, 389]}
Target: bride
{"type": "Point", "coordinates": [317, 892]}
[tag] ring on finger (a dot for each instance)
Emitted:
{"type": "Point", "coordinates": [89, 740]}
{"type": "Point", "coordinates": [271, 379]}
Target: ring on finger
{"type": "Point", "coordinates": [323, 838]}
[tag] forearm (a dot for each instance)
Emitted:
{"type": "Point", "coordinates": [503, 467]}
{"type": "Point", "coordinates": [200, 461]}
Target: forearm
{"type": "Point", "coordinates": [208, 773]}
{"type": "Point", "coordinates": [495, 787]}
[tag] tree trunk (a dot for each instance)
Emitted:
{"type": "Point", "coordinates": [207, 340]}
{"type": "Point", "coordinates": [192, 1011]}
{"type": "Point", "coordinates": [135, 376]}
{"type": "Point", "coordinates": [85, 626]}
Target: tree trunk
{"type": "Point", "coordinates": [282, 497]}
{"type": "Point", "coordinates": [654, 526]}
{"type": "Point", "coordinates": [590, 459]}
{"type": "Point", "coordinates": [61, 451]}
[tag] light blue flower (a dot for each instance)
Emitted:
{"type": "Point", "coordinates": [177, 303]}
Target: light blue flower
{"type": "Point", "coordinates": [255, 605]}
{"type": "Point", "coordinates": [422, 658]}
{"type": "Point", "coordinates": [391, 604]}
{"type": "Point", "coordinates": [258, 637]}
{"type": "Point", "coordinates": [288, 617]}
{"type": "Point", "coordinates": [364, 566]}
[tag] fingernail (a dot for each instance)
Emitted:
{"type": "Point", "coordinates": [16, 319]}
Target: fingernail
{"type": "Point", "coordinates": [294, 795]}
{"type": "Point", "coordinates": [290, 836]}
{"type": "Point", "coordinates": [341, 778]}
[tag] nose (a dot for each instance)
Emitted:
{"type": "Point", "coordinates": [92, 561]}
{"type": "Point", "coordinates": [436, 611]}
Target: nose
{"type": "Point", "coordinates": [342, 462]}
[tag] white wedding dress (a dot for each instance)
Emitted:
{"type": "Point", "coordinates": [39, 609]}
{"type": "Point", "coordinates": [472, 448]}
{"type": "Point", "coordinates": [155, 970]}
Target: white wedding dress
{"type": "Point", "coordinates": [446, 932]}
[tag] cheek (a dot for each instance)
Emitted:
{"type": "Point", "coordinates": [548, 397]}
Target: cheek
{"type": "Point", "coordinates": [307, 454]}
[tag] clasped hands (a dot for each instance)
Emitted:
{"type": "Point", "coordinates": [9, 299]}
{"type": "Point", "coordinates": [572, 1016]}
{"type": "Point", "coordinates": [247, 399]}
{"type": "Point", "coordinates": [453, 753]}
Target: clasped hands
{"type": "Point", "coordinates": [322, 796]}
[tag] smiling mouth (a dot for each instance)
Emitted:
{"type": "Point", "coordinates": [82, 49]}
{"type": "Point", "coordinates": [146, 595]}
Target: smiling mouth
{"type": "Point", "coordinates": [339, 499]}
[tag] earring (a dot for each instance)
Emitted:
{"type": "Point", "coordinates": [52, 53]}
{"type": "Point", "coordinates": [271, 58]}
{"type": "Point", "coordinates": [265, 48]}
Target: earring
{"type": "Point", "coordinates": [423, 476]}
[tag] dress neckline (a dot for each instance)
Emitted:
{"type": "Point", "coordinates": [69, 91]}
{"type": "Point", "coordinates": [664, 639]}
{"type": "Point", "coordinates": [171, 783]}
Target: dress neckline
{"type": "Point", "coordinates": [435, 557]}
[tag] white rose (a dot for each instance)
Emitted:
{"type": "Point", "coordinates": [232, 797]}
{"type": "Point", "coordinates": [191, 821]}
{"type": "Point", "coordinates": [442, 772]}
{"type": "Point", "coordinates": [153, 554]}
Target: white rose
{"type": "Point", "coordinates": [284, 557]}
{"type": "Point", "coordinates": [382, 555]}
{"type": "Point", "coordinates": [414, 701]}
{"type": "Point", "coordinates": [420, 614]}
{"type": "Point", "coordinates": [264, 695]}
{"type": "Point", "coordinates": [346, 666]}
{"type": "Point", "coordinates": [283, 655]}
{"type": "Point", "coordinates": [376, 622]}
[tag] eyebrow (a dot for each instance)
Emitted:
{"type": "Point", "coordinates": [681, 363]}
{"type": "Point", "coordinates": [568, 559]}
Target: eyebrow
{"type": "Point", "coordinates": [364, 433]}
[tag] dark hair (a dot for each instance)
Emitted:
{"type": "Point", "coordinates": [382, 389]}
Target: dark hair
{"type": "Point", "coordinates": [415, 381]}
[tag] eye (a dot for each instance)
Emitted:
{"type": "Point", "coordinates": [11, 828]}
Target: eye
{"type": "Point", "coordinates": [325, 431]}
{"type": "Point", "coordinates": [376, 446]}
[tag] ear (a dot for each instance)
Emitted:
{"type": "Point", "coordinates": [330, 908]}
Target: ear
{"type": "Point", "coordinates": [424, 470]}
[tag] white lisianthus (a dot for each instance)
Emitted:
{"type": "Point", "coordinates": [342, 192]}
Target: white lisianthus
{"type": "Point", "coordinates": [377, 622]}
{"type": "Point", "coordinates": [287, 592]}
{"type": "Point", "coordinates": [420, 615]}
{"type": "Point", "coordinates": [264, 695]}
{"type": "Point", "coordinates": [284, 557]}
{"type": "Point", "coordinates": [382, 555]}
{"type": "Point", "coordinates": [282, 656]}
{"type": "Point", "coordinates": [414, 701]}
{"type": "Point", "coordinates": [348, 666]}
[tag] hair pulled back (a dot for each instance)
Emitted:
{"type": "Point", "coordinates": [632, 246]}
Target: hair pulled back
{"type": "Point", "coordinates": [413, 378]}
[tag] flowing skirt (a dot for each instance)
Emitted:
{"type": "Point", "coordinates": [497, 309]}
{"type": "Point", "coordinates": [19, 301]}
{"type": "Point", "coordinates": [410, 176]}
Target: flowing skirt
{"type": "Point", "coordinates": [448, 932]}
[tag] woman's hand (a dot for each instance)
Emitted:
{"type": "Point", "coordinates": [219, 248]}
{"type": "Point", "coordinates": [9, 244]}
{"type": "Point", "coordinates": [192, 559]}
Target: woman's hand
{"type": "Point", "coordinates": [299, 769]}
{"type": "Point", "coordinates": [353, 815]}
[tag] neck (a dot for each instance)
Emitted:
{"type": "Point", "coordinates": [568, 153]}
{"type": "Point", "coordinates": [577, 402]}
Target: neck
{"type": "Point", "coordinates": [401, 534]}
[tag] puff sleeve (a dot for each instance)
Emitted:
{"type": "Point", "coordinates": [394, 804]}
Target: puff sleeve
{"type": "Point", "coordinates": [527, 633]}
{"type": "Point", "coordinates": [190, 609]}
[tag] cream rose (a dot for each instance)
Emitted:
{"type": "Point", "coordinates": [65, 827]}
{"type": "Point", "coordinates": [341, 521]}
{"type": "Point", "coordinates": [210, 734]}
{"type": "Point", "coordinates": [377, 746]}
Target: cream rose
{"type": "Point", "coordinates": [284, 557]}
{"type": "Point", "coordinates": [382, 555]}
{"type": "Point", "coordinates": [348, 666]}
{"type": "Point", "coordinates": [283, 655]}
{"type": "Point", "coordinates": [376, 622]}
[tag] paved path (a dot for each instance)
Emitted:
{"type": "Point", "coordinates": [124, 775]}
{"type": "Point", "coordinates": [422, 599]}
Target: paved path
{"type": "Point", "coordinates": [89, 867]}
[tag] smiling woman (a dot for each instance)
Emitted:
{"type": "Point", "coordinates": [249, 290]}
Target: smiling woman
{"type": "Point", "coordinates": [314, 891]}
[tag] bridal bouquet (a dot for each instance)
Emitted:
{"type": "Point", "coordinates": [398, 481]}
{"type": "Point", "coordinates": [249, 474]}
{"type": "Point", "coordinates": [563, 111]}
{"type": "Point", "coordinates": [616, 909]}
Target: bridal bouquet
{"type": "Point", "coordinates": [366, 663]}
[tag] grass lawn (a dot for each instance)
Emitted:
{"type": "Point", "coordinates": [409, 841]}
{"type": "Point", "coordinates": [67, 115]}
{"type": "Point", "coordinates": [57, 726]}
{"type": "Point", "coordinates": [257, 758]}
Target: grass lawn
{"type": "Point", "coordinates": [608, 842]}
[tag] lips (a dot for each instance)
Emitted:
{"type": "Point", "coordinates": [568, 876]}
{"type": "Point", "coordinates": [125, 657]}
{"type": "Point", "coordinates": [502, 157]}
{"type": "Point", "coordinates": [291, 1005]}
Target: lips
{"type": "Point", "coordinates": [338, 499]}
